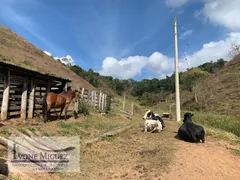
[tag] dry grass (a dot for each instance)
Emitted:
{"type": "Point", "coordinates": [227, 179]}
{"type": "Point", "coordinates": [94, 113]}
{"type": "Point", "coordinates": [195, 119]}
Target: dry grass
{"type": "Point", "coordinates": [130, 154]}
{"type": "Point", "coordinates": [220, 93]}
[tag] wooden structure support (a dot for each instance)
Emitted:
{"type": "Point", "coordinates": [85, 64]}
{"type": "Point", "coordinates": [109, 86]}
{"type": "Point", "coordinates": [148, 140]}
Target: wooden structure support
{"type": "Point", "coordinates": [21, 89]}
{"type": "Point", "coordinates": [22, 92]}
{"type": "Point", "coordinates": [6, 90]}
{"type": "Point", "coordinates": [24, 101]}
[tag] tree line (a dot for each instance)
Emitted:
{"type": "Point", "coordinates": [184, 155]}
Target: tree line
{"type": "Point", "coordinates": [151, 91]}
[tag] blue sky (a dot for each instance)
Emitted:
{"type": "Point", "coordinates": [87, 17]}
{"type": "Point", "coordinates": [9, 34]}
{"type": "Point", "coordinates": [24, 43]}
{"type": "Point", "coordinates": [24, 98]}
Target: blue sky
{"type": "Point", "coordinates": [127, 38]}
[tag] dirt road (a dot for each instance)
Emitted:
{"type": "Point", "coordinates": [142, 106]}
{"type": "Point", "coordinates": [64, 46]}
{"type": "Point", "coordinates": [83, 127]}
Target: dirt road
{"type": "Point", "coordinates": [136, 155]}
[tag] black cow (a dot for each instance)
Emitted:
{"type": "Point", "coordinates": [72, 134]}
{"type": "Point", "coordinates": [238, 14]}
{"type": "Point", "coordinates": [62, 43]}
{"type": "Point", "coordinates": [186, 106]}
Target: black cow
{"type": "Point", "coordinates": [191, 132]}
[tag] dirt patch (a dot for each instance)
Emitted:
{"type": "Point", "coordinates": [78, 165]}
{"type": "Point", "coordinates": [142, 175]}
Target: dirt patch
{"type": "Point", "coordinates": [211, 160]}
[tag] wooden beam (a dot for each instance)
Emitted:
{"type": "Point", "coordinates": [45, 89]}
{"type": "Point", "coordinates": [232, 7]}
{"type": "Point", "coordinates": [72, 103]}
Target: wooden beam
{"type": "Point", "coordinates": [5, 99]}
{"type": "Point", "coordinates": [24, 101]}
{"type": "Point", "coordinates": [31, 100]}
{"type": "Point", "coordinates": [124, 111]}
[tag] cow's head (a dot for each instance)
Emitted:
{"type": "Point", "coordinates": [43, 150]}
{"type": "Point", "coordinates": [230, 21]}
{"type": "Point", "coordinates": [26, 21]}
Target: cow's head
{"type": "Point", "coordinates": [188, 117]}
{"type": "Point", "coordinates": [148, 115]}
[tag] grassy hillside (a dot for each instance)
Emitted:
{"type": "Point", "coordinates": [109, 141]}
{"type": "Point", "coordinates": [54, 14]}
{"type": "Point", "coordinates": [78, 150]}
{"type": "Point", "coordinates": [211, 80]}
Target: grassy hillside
{"type": "Point", "coordinates": [16, 50]}
{"type": "Point", "coordinates": [219, 92]}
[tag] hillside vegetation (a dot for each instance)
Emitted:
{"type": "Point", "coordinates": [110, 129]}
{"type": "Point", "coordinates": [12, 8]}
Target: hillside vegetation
{"type": "Point", "coordinates": [219, 92]}
{"type": "Point", "coordinates": [212, 86]}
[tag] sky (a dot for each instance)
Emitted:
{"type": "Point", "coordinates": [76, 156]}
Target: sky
{"type": "Point", "coordinates": [127, 38]}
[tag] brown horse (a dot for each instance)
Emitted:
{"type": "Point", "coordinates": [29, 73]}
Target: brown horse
{"type": "Point", "coordinates": [62, 100]}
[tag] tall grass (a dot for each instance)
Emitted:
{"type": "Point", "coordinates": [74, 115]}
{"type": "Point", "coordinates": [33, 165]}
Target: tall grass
{"type": "Point", "coordinates": [224, 122]}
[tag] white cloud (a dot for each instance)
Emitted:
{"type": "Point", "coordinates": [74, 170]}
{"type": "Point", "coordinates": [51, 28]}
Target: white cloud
{"type": "Point", "coordinates": [211, 51]}
{"type": "Point", "coordinates": [185, 34]}
{"type": "Point", "coordinates": [47, 53]}
{"type": "Point", "coordinates": [160, 64]}
{"type": "Point", "coordinates": [133, 65]}
{"type": "Point", "coordinates": [123, 69]}
{"type": "Point", "coordinates": [163, 65]}
{"type": "Point", "coordinates": [175, 3]}
{"type": "Point", "coordinates": [222, 12]}
{"type": "Point", "coordinates": [66, 60]}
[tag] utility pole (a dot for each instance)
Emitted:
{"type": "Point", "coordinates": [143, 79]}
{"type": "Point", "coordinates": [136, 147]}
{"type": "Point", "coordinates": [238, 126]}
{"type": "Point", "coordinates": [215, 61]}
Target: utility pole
{"type": "Point", "coordinates": [178, 115]}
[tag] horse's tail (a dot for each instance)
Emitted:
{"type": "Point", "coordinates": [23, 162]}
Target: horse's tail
{"type": "Point", "coordinates": [44, 107]}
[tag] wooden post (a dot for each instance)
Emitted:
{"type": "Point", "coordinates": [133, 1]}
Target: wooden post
{"type": "Point", "coordinates": [5, 100]}
{"type": "Point", "coordinates": [94, 99]}
{"type": "Point", "coordinates": [102, 102]}
{"type": "Point", "coordinates": [105, 102]}
{"type": "Point", "coordinates": [91, 98]}
{"type": "Point", "coordinates": [31, 100]}
{"type": "Point", "coordinates": [24, 101]}
{"type": "Point", "coordinates": [65, 87]}
{"type": "Point", "coordinates": [124, 102]}
{"type": "Point", "coordinates": [132, 109]}
{"type": "Point", "coordinates": [76, 106]}
{"type": "Point", "coordinates": [48, 87]}
{"type": "Point", "coordinates": [99, 100]}
{"type": "Point", "coordinates": [82, 94]}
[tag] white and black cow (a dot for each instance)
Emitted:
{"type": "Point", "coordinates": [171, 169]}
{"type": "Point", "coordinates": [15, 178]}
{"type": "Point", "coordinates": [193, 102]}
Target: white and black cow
{"type": "Point", "coordinates": [153, 122]}
{"type": "Point", "coordinates": [191, 132]}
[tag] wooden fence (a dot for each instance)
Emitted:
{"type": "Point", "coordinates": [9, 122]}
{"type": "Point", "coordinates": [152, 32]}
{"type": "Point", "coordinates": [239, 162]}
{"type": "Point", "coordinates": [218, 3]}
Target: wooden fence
{"type": "Point", "coordinates": [96, 99]}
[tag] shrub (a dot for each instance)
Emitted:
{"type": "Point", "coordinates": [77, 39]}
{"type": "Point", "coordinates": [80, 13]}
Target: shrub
{"type": "Point", "coordinates": [108, 106]}
{"type": "Point", "coordinates": [83, 107]}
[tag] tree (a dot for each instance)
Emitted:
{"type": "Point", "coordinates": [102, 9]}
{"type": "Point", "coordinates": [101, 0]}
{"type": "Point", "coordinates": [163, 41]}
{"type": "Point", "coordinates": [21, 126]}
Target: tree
{"type": "Point", "coordinates": [212, 67]}
{"type": "Point", "coordinates": [234, 50]}
{"type": "Point", "coordinates": [190, 78]}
